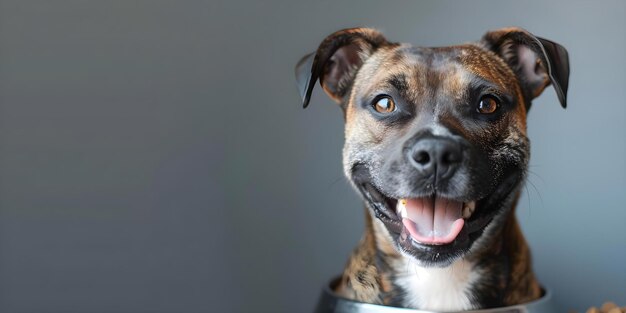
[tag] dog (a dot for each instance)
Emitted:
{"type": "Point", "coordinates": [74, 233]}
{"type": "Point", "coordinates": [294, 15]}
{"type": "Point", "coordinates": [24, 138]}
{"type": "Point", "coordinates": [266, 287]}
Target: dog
{"type": "Point", "coordinates": [436, 145]}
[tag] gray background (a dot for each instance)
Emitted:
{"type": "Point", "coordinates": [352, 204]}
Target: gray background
{"type": "Point", "coordinates": [154, 156]}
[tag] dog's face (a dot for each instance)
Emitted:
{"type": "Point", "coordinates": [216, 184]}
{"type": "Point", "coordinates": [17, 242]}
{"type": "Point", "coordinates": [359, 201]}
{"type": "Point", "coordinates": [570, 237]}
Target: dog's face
{"type": "Point", "coordinates": [436, 137]}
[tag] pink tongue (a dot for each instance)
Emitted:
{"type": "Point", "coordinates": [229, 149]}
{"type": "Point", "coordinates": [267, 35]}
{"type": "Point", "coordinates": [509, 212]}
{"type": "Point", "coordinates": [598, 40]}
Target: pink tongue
{"type": "Point", "coordinates": [434, 221]}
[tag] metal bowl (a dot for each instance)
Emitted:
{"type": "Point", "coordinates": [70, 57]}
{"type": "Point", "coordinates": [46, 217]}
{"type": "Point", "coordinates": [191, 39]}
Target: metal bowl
{"type": "Point", "coordinates": [330, 302]}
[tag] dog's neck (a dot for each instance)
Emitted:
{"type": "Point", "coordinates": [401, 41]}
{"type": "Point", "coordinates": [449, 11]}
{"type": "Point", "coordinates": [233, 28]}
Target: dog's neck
{"type": "Point", "coordinates": [439, 289]}
{"type": "Point", "coordinates": [497, 273]}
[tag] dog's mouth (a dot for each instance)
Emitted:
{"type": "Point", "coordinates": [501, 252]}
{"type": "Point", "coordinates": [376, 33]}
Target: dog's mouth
{"type": "Point", "coordinates": [434, 220]}
{"type": "Point", "coordinates": [431, 220]}
{"type": "Point", "coordinates": [434, 224]}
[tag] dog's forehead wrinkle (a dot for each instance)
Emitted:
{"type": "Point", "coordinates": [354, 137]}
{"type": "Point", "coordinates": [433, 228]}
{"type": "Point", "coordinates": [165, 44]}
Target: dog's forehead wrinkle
{"type": "Point", "coordinates": [430, 69]}
{"type": "Point", "coordinates": [448, 83]}
{"type": "Point", "coordinates": [486, 64]}
{"type": "Point", "coordinates": [429, 78]}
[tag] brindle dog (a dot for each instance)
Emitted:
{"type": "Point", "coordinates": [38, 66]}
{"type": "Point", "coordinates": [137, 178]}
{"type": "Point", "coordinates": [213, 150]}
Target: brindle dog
{"type": "Point", "coordinates": [435, 143]}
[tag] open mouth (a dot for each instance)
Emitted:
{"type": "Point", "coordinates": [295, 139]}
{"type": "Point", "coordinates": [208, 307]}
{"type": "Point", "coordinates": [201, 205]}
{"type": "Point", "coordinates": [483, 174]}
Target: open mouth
{"type": "Point", "coordinates": [430, 220]}
{"type": "Point", "coordinates": [434, 220]}
{"type": "Point", "coordinates": [435, 224]}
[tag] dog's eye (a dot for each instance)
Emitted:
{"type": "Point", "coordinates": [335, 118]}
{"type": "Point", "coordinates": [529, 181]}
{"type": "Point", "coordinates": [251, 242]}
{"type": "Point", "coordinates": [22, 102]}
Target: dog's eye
{"type": "Point", "coordinates": [487, 105]}
{"type": "Point", "coordinates": [384, 105]}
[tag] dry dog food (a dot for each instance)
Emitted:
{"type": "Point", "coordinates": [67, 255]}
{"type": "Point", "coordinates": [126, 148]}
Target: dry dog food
{"type": "Point", "coordinates": [607, 307]}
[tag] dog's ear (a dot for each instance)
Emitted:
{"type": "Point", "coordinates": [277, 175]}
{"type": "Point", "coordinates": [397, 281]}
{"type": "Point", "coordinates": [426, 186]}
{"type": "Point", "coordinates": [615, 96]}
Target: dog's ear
{"type": "Point", "coordinates": [336, 62]}
{"type": "Point", "coordinates": [537, 62]}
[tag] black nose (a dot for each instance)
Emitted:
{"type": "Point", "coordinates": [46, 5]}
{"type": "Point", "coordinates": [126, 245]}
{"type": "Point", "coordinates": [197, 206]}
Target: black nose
{"type": "Point", "coordinates": [438, 156]}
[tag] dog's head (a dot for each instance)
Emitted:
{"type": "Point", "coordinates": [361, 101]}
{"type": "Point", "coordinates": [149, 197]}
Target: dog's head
{"type": "Point", "coordinates": [435, 137]}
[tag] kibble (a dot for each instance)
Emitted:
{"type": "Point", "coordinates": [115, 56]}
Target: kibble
{"type": "Point", "coordinates": [607, 307]}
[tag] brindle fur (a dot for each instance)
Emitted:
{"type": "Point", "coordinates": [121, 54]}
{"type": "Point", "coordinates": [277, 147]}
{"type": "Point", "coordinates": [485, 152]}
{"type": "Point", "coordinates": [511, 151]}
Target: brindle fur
{"type": "Point", "coordinates": [434, 83]}
{"type": "Point", "coordinates": [369, 273]}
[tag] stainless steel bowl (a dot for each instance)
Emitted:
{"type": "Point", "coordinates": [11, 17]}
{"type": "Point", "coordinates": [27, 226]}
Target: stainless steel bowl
{"type": "Point", "coordinates": [329, 302]}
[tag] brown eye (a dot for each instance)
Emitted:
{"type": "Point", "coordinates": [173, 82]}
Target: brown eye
{"type": "Point", "coordinates": [487, 105]}
{"type": "Point", "coordinates": [384, 105]}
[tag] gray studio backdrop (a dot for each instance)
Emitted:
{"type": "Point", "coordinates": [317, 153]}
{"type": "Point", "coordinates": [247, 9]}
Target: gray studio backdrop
{"type": "Point", "coordinates": [154, 156]}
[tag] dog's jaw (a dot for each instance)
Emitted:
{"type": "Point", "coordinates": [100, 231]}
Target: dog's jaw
{"type": "Point", "coordinates": [425, 287]}
{"type": "Point", "coordinates": [435, 251]}
{"type": "Point", "coordinates": [473, 282]}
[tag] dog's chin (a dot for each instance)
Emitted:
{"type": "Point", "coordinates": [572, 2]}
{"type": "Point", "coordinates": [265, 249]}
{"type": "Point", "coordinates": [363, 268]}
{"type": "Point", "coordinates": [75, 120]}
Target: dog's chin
{"type": "Point", "coordinates": [456, 224]}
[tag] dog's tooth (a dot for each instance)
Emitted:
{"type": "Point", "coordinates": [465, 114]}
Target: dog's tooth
{"type": "Point", "coordinates": [468, 209]}
{"type": "Point", "coordinates": [466, 212]}
{"type": "Point", "coordinates": [401, 208]}
{"type": "Point", "coordinates": [472, 205]}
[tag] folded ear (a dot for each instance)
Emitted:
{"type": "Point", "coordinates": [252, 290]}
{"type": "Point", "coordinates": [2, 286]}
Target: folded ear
{"type": "Point", "coordinates": [336, 62]}
{"type": "Point", "coordinates": [537, 62]}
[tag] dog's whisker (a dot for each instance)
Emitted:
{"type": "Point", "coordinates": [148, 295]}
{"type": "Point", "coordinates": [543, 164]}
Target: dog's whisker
{"type": "Point", "coordinates": [331, 185]}
{"type": "Point", "coordinates": [536, 175]}
{"type": "Point", "coordinates": [537, 191]}
{"type": "Point", "coordinates": [529, 201]}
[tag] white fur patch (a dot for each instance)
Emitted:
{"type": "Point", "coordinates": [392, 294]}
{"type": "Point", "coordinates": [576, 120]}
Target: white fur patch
{"type": "Point", "coordinates": [439, 289]}
{"type": "Point", "coordinates": [439, 130]}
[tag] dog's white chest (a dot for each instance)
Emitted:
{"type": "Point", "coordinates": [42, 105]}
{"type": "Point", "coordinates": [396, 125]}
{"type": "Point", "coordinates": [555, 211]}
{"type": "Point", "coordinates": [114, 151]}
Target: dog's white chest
{"type": "Point", "coordinates": [439, 289]}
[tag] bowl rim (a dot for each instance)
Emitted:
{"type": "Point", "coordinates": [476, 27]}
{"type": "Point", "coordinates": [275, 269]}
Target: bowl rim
{"type": "Point", "coordinates": [330, 302]}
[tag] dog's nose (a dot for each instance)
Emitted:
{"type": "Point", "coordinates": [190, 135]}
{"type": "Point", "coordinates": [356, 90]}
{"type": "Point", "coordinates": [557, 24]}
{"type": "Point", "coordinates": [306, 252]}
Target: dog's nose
{"type": "Point", "coordinates": [439, 156]}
